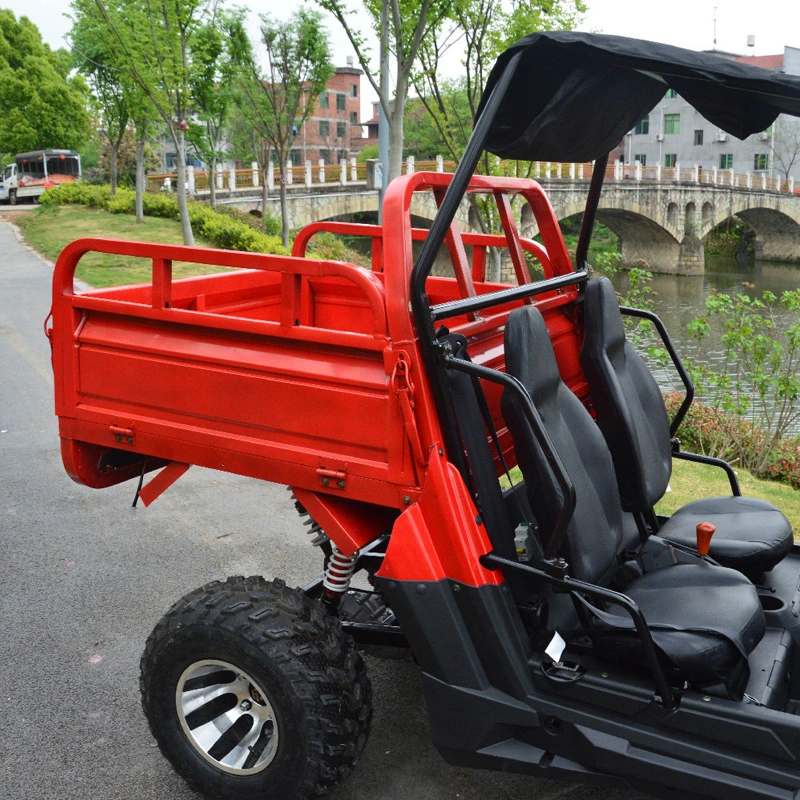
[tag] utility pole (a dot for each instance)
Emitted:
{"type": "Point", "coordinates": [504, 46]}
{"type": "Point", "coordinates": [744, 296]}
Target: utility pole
{"type": "Point", "coordinates": [383, 120]}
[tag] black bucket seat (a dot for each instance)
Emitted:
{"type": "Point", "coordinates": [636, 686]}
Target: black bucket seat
{"type": "Point", "coordinates": [704, 619]}
{"type": "Point", "coordinates": [752, 535]}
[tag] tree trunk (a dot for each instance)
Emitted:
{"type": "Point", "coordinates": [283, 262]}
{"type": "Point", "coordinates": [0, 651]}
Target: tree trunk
{"type": "Point", "coordinates": [183, 207]}
{"type": "Point", "coordinates": [284, 210]}
{"type": "Point", "coordinates": [212, 183]}
{"type": "Point", "coordinates": [396, 133]}
{"type": "Point", "coordinates": [113, 153]}
{"type": "Point", "coordinates": [264, 196]}
{"type": "Point", "coordinates": [141, 136]}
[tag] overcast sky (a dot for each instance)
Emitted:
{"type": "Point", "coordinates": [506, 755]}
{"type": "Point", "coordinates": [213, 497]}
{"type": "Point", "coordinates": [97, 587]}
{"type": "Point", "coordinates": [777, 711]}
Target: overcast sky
{"type": "Point", "coordinates": [686, 23]}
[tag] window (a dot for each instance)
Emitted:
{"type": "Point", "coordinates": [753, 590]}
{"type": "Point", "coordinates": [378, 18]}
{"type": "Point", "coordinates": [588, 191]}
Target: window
{"type": "Point", "coordinates": [698, 137]}
{"type": "Point", "coordinates": [341, 129]}
{"type": "Point", "coordinates": [325, 155]}
{"type": "Point", "coordinates": [643, 126]}
{"type": "Point", "coordinates": [353, 90]}
{"type": "Point", "coordinates": [726, 161]}
{"type": "Point", "coordinates": [323, 100]}
{"type": "Point", "coordinates": [672, 123]}
{"type": "Point", "coordinates": [324, 127]}
{"type": "Point", "coordinates": [341, 102]}
{"type": "Point", "coordinates": [294, 157]}
{"type": "Point", "coordinates": [670, 159]}
{"type": "Point", "coordinates": [761, 161]}
{"type": "Point", "coordinates": [641, 158]}
{"type": "Point", "coordinates": [354, 117]}
{"type": "Point", "coordinates": [670, 94]}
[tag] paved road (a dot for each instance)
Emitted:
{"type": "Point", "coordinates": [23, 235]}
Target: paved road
{"type": "Point", "coordinates": [84, 578]}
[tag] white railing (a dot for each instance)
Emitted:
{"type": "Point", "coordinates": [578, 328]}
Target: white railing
{"type": "Point", "coordinates": [351, 171]}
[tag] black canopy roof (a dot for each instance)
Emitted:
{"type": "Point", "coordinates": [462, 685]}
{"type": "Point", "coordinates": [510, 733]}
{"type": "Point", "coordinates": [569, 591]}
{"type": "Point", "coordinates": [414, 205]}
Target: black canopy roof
{"type": "Point", "coordinates": [574, 96]}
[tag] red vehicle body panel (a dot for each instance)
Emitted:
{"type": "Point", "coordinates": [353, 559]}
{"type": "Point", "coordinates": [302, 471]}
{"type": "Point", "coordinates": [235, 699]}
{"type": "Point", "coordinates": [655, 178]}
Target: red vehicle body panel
{"type": "Point", "coordinates": [302, 372]}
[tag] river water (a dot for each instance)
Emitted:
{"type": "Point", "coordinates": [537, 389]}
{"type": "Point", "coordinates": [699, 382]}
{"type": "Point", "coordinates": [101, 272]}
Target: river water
{"type": "Point", "coordinates": [681, 298]}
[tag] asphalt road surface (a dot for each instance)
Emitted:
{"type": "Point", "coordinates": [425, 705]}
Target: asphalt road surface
{"type": "Point", "coordinates": [84, 578]}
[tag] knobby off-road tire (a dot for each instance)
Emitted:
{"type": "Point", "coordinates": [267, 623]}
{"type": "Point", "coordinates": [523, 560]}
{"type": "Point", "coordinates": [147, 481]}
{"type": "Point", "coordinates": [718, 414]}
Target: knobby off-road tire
{"type": "Point", "coordinates": [268, 664]}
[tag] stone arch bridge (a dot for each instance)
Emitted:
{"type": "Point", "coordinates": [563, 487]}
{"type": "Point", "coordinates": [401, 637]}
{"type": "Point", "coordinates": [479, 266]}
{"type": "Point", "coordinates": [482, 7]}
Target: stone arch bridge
{"type": "Point", "coordinates": [661, 224]}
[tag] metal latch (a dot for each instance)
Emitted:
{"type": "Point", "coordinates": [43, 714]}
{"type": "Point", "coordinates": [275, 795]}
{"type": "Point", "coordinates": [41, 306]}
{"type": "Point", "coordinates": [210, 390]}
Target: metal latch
{"type": "Point", "coordinates": [334, 477]}
{"type": "Point", "coordinates": [122, 434]}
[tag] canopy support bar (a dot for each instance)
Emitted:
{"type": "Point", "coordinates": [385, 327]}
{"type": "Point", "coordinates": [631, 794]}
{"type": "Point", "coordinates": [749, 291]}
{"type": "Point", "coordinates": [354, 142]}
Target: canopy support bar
{"type": "Point", "coordinates": [590, 213]}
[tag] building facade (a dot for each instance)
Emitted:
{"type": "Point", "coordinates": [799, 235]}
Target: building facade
{"type": "Point", "coordinates": [675, 134]}
{"type": "Point", "coordinates": [332, 131]}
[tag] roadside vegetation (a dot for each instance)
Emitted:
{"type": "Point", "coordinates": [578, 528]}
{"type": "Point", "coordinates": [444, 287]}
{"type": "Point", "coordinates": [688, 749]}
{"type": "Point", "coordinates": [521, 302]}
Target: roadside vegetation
{"type": "Point", "coordinates": [84, 210]}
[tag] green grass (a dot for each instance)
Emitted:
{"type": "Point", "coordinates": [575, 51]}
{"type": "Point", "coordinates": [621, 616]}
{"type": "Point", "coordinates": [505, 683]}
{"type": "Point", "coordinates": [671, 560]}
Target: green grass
{"type": "Point", "coordinates": [694, 481]}
{"type": "Point", "coordinates": [49, 229]}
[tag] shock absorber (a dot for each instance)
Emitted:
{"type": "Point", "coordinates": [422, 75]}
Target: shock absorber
{"type": "Point", "coordinates": [338, 573]}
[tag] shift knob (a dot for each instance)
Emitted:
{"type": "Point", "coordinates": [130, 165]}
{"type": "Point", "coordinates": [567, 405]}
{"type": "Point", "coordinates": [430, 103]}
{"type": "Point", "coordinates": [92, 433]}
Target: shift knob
{"type": "Point", "coordinates": [705, 530]}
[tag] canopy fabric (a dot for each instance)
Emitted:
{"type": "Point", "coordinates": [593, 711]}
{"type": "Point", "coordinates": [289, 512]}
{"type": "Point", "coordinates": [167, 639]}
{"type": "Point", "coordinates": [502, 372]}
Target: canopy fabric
{"type": "Point", "coordinates": [574, 96]}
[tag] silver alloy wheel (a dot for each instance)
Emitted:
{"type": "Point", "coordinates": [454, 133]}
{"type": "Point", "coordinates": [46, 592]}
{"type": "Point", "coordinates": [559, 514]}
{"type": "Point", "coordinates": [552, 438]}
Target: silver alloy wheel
{"type": "Point", "coordinates": [227, 717]}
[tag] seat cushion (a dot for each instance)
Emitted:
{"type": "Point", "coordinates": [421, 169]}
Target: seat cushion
{"type": "Point", "coordinates": [704, 620]}
{"type": "Point", "coordinates": [752, 535]}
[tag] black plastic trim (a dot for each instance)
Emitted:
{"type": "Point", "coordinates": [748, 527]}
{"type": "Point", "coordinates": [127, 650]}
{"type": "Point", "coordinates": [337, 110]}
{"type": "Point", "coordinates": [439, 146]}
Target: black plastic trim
{"type": "Point", "coordinates": [674, 357]}
{"type": "Point", "coordinates": [714, 462]}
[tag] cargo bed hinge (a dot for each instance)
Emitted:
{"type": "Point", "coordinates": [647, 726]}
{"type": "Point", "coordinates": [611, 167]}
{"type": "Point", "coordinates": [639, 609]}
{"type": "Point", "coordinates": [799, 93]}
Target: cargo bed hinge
{"type": "Point", "coordinates": [404, 392]}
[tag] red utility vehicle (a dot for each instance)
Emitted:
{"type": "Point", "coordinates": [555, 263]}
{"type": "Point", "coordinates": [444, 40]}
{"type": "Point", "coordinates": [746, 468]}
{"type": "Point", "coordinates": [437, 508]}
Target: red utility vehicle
{"type": "Point", "coordinates": [562, 627]}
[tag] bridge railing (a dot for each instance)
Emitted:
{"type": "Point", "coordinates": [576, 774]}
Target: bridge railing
{"type": "Point", "coordinates": [307, 174]}
{"type": "Point", "coordinates": [311, 175]}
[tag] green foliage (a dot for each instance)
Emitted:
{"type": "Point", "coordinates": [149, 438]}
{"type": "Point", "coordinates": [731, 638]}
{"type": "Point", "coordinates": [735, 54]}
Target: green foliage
{"type": "Point", "coordinates": [223, 230]}
{"type": "Point", "coordinates": [703, 430]}
{"type": "Point", "coordinates": [732, 238]}
{"type": "Point", "coordinates": [330, 247]}
{"type": "Point", "coordinates": [370, 151]}
{"type": "Point", "coordinates": [42, 106]}
{"type": "Point", "coordinates": [272, 100]}
{"type": "Point", "coordinates": [212, 82]}
{"type": "Point", "coordinates": [753, 386]}
{"type": "Point", "coordinates": [266, 224]}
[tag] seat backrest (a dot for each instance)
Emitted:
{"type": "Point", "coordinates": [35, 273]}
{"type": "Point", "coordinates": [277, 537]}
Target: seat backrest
{"type": "Point", "coordinates": [627, 400]}
{"type": "Point", "coordinates": [594, 535]}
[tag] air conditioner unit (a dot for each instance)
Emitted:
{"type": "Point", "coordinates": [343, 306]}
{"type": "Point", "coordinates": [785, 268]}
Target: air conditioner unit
{"type": "Point", "coordinates": [659, 137]}
{"type": "Point", "coordinates": [764, 135]}
{"type": "Point", "coordinates": [722, 137]}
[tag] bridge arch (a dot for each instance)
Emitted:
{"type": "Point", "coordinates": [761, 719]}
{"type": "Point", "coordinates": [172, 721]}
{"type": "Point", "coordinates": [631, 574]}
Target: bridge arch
{"type": "Point", "coordinates": [777, 228]}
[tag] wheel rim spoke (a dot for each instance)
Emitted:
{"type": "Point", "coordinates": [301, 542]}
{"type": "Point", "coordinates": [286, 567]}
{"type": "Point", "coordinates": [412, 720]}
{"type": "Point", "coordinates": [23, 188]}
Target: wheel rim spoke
{"type": "Point", "coordinates": [227, 717]}
{"type": "Point", "coordinates": [231, 738]}
{"type": "Point", "coordinates": [258, 748]}
{"type": "Point", "coordinates": [210, 711]}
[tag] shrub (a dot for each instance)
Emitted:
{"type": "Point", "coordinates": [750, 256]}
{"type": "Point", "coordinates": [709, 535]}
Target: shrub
{"type": "Point", "coordinates": [330, 247]}
{"type": "Point", "coordinates": [704, 431]}
{"type": "Point", "coordinates": [268, 224]}
{"type": "Point", "coordinates": [754, 388]}
{"type": "Point", "coordinates": [225, 230]}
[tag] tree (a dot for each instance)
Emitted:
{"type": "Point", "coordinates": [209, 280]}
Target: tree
{"type": "Point", "coordinates": [785, 145]}
{"type": "Point", "coordinates": [42, 106]}
{"type": "Point", "coordinates": [484, 29]}
{"type": "Point", "coordinates": [213, 87]}
{"type": "Point", "coordinates": [410, 22]}
{"type": "Point", "coordinates": [278, 100]}
{"type": "Point", "coordinates": [95, 60]}
{"type": "Point", "coordinates": [154, 38]}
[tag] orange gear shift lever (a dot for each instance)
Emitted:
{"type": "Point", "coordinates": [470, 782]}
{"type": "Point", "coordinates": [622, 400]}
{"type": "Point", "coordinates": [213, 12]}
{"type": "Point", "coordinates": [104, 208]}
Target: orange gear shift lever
{"type": "Point", "coordinates": [705, 530]}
